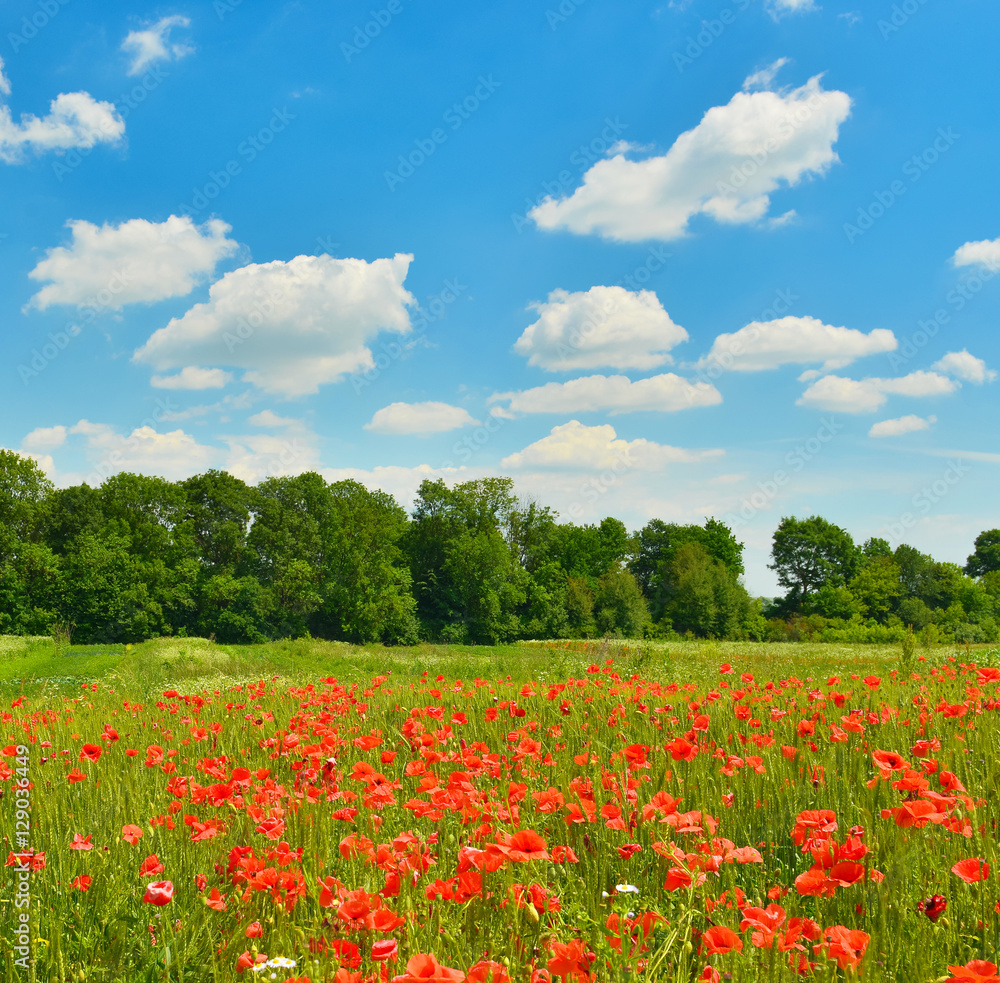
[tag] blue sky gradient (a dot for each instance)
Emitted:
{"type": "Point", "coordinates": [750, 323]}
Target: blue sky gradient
{"type": "Point", "coordinates": [505, 150]}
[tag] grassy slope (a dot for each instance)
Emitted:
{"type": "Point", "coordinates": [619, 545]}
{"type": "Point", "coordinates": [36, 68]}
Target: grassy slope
{"type": "Point", "coordinates": [29, 664]}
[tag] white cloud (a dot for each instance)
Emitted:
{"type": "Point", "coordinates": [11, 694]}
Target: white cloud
{"type": "Point", "coordinates": [602, 326]}
{"type": "Point", "coordinates": [134, 262]}
{"type": "Point", "coordinates": [192, 377]}
{"type": "Point", "coordinates": [905, 424]}
{"type": "Point", "coordinates": [172, 455]}
{"type": "Point", "coordinates": [576, 446]}
{"type": "Point", "coordinates": [292, 326]}
{"type": "Point", "coordinates": [965, 366]}
{"type": "Point", "coordinates": [254, 457]}
{"type": "Point", "coordinates": [153, 44]}
{"type": "Point", "coordinates": [400, 482]}
{"type": "Point", "coordinates": [768, 344]}
{"type": "Point", "coordinates": [833, 392]}
{"type": "Point", "coordinates": [268, 418]}
{"type": "Point", "coordinates": [616, 394]}
{"type": "Point", "coordinates": [985, 253]}
{"type": "Point", "coordinates": [419, 418]}
{"type": "Point", "coordinates": [242, 401]}
{"type": "Point", "coordinates": [725, 168]}
{"type": "Point", "coordinates": [764, 77]}
{"type": "Point", "coordinates": [778, 7]}
{"type": "Point", "coordinates": [45, 438]}
{"type": "Point", "coordinates": [75, 121]}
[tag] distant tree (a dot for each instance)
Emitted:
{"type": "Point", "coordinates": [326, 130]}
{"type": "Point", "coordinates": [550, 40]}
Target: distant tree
{"type": "Point", "coordinates": [464, 546]}
{"type": "Point", "coordinates": [217, 514]}
{"type": "Point", "coordinates": [619, 607]}
{"type": "Point", "coordinates": [23, 490]}
{"type": "Point", "coordinates": [877, 587]}
{"type": "Point", "coordinates": [707, 597]}
{"type": "Point", "coordinates": [916, 573]}
{"type": "Point", "coordinates": [986, 558]}
{"type": "Point", "coordinates": [809, 553]}
{"type": "Point", "coordinates": [655, 549]}
{"type": "Point", "coordinates": [876, 547]}
{"type": "Point", "coordinates": [29, 572]}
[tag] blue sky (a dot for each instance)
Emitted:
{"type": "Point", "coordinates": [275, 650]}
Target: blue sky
{"type": "Point", "coordinates": [677, 260]}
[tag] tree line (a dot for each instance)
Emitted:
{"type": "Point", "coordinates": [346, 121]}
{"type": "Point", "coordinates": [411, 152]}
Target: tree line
{"type": "Point", "coordinates": [142, 557]}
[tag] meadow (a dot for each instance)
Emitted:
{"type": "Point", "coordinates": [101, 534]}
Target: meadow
{"type": "Point", "coordinates": [577, 811]}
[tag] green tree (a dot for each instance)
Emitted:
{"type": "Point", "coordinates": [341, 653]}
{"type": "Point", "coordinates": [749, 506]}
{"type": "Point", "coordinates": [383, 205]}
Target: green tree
{"type": "Point", "coordinates": [464, 546]}
{"type": "Point", "coordinates": [619, 607]}
{"type": "Point", "coordinates": [707, 599]}
{"type": "Point", "coordinates": [809, 553]}
{"type": "Point", "coordinates": [655, 549]}
{"type": "Point", "coordinates": [877, 587]}
{"type": "Point", "coordinates": [367, 583]}
{"type": "Point", "coordinates": [986, 558]}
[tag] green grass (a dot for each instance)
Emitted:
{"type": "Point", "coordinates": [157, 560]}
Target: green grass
{"type": "Point", "coordinates": [105, 934]}
{"type": "Point", "coordinates": [29, 663]}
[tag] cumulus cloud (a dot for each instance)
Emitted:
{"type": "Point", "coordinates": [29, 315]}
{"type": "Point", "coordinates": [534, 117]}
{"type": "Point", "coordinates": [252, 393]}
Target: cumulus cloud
{"type": "Point", "coordinates": [419, 418]}
{"type": "Point", "coordinates": [192, 377]}
{"type": "Point", "coordinates": [153, 44]}
{"type": "Point", "coordinates": [769, 344]}
{"type": "Point", "coordinates": [291, 326]}
{"type": "Point", "coordinates": [256, 456]}
{"type": "Point", "coordinates": [985, 254]}
{"type": "Point", "coordinates": [75, 121]}
{"type": "Point", "coordinates": [965, 366]}
{"type": "Point", "coordinates": [172, 455]}
{"type": "Point", "coordinates": [834, 392]}
{"type": "Point", "coordinates": [45, 438]}
{"type": "Point", "coordinates": [905, 424]}
{"type": "Point", "coordinates": [615, 394]}
{"type": "Point", "coordinates": [575, 446]}
{"type": "Point", "coordinates": [602, 326]}
{"type": "Point", "coordinates": [400, 482]}
{"type": "Point", "coordinates": [725, 168]}
{"type": "Point", "coordinates": [134, 262]}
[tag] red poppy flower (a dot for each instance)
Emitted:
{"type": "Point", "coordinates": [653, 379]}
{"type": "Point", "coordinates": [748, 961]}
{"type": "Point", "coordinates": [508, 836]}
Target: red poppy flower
{"type": "Point", "coordinates": [488, 971]}
{"type": "Point", "coordinates": [933, 907]}
{"type": "Point", "coordinates": [90, 752]}
{"type": "Point", "coordinates": [82, 883]}
{"type": "Point", "coordinates": [845, 945]}
{"type": "Point", "coordinates": [721, 939]}
{"type": "Point", "coordinates": [215, 900]}
{"type": "Point", "coordinates": [525, 844]}
{"type": "Point", "coordinates": [976, 971]}
{"type": "Point", "coordinates": [254, 931]}
{"type": "Point", "coordinates": [384, 949]}
{"type": "Point", "coordinates": [151, 866]}
{"type": "Point", "coordinates": [81, 842]}
{"type": "Point", "coordinates": [971, 870]}
{"type": "Point", "coordinates": [424, 966]}
{"type": "Point", "coordinates": [569, 961]}
{"type": "Point", "coordinates": [131, 834]}
{"type": "Point", "coordinates": [158, 892]}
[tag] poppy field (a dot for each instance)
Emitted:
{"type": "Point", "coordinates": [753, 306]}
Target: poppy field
{"type": "Point", "coordinates": [600, 815]}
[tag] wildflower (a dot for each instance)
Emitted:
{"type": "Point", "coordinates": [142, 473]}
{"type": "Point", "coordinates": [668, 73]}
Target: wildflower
{"type": "Point", "coordinates": [971, 870]}
{"type": "Point", "coordinates": [424, 966]}
{"type": "Point", "coordinates": [159, 892]}
{"type": "Point", "coordinates": [933, 907]}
